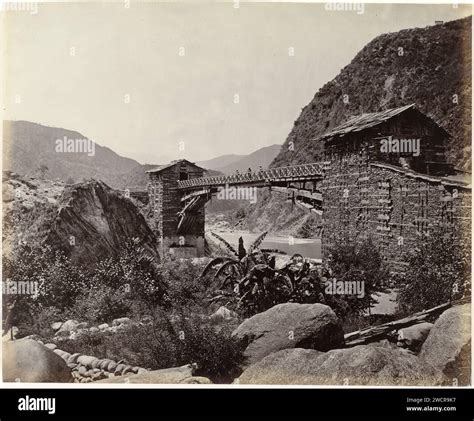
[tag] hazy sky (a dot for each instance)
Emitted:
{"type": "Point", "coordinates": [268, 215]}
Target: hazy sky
{"type": "Point", "coordinates": [118, 75]}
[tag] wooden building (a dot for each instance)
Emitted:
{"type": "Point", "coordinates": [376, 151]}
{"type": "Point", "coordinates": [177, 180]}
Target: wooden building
{"type": "Point", "coordinates": [393, 196]}
{"type": "Point", "coordinates": [402, 137]}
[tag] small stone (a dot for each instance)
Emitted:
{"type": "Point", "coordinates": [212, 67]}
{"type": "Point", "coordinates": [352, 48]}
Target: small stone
{"type": "Point", "coordinates": [87, 360]}
{"type": "Point", "coordinates": [52, 347]}
{"type": "Point", "coordinates": [56, 325]}
{"type": "Point", "coordinates": [127, 369]}
{"type": "Point", "coordinates": [111, 366]}
{"type": "Point", "coordinates": [119, 369]}
{"type": "Point", "coordinates": [121, 321]}
{"type": "Point", "coordinates": [73, 358]}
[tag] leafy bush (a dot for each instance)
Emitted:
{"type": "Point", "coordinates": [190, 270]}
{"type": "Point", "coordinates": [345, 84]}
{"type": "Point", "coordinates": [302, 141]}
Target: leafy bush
{"type": "Point", "coordinates": [439, 271]}
{"type": "Point", "coordinates": [131, 272]}
{"type": "Point", "coordinates": [167, 343]}
{"type": "Point", "coordinates": [184, 288]}
{"type": "Point", "coordinates": [101, 304]}
{"type": "Point", "coordinates": [58, 283]}
{"type": "Point", "coordinates": [352, 261]}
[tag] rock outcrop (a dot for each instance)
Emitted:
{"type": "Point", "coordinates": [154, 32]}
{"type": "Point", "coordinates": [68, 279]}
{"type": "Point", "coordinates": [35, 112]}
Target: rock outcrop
{"type": "Point", "coordinates": [27, 361]}
{"type": "Point", "coordinates": [88, 221]}
{"type": "Point", "coordinates": [100, 220]}
{"type": "Point", "coordinates": [449, 343]}
{"type": "Point", "coordinates": [290, 325]}
{"type": "Point", "coordinates": [362, 365]}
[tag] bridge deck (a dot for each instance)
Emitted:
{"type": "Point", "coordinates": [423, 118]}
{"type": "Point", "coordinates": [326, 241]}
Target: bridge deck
{"type": "Point", "coordinates": [305, 172]}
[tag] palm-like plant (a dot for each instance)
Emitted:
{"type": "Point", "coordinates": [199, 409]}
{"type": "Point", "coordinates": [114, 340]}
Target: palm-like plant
{"type": "Point", "coordinates": [249, 281]}
{"type": "Point", "coordinates": [242, 274]}
{"type": "Point", "coordinates": [237, 263]}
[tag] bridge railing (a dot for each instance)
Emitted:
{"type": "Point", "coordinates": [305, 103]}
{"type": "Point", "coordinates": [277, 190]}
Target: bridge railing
{"type": "Point", "coordinates": [289, 172]}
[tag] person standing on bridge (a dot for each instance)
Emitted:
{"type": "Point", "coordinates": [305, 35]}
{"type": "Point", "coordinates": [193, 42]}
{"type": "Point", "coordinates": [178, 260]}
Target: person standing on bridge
{"type": "Point", "coordinates": [249, 173]}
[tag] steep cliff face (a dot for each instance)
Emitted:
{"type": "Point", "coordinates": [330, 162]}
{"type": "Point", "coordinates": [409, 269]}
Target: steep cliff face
{"type": "Point", "coordinates": [89, 221]}
{"type": "Point", "coordinates": [430, 67]}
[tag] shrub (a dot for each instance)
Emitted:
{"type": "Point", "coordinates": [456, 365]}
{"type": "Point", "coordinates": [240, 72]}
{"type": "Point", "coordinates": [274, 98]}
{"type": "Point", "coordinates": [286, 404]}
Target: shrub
{"type": "Point", "coordinates": [351, 261]}
{"type": "Point", "coordinates": [58, 281]}
{"type": "Point", "coordinates": [101, 304]}
{"type": "Point", "coordinates": [439, 271]}
{"type": "Point", "coordinates": [167, 343]}
{"type": "Point", "coordinates": [184, 287]}
{"type": "Point", "coordinates": [132, 271]}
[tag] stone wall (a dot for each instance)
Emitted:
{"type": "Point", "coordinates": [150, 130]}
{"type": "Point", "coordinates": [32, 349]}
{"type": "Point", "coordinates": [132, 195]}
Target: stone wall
{"type": "Point", "coordinates": [392, 205]}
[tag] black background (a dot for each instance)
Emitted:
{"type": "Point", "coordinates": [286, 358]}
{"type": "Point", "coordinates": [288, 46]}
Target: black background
{"type": "Point", "coordinates": [239, 404]}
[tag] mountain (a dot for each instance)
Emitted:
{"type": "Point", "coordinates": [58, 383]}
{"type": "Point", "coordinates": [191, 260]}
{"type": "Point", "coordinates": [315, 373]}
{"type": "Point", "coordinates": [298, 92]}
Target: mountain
{"type": "Point", "coordinates": [261, 157]}
{"type": "Point", "coordinates": [430, 67]}
{"type": "Point", "coordinates": [27, 146]}
{"type": "Point", "coordinates": [228, 164]}
{"type": "Point", "coordinates": [220, 161]}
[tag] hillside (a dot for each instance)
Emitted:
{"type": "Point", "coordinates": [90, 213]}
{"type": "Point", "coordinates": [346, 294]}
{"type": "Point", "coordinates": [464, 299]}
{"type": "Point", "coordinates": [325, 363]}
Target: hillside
{"type": "Point", "coordinates": [434, 65]}
{"type": "Point", "coordinates": [28, 145]}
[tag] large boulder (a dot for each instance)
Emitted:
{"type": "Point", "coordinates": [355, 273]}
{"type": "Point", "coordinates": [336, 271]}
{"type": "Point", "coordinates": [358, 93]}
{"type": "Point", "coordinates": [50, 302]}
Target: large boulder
{"type": "Point", "coordinates": [172, 375]}
{"type": "Point", "coordinates": [290, 325]}
{"type": "Point", "coordinates": [26, 360]}
{"type": "Point", "coordinates": [361, 365]}
{"type": "Point", "coordinates": [447, 347]}
{"type": "Point", "coordinates": [412, 337]}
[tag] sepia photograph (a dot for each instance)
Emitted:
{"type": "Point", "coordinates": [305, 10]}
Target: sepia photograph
{"type": "Point", "coordinates": [236, 193]}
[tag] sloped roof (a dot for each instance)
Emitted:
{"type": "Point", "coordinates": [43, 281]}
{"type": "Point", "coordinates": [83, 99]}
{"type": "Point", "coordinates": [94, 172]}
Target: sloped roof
{"type": "Point", "coordinates": [172, 164]}
{"type": "Point", "coordinates": [366, 121]}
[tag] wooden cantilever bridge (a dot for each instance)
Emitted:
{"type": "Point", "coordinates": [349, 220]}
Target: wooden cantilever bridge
{"type": "Point", "coordinates": [298, 180]}
{"type": "Point", "coordinates": [179, 191]}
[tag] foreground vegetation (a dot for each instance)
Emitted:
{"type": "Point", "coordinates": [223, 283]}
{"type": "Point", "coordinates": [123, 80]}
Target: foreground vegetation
{"type": "Point", "coordinates": [178, 296]}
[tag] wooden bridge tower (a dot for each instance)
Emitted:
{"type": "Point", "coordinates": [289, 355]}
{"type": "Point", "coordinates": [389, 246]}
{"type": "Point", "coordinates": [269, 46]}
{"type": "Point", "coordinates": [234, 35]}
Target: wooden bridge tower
{"type": "Point", "coordinates": [165, 203]}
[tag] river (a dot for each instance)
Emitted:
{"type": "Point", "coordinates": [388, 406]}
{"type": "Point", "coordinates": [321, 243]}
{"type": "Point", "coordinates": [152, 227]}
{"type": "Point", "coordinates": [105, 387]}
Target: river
{"type": "Point", "coordinates": [307, 247]}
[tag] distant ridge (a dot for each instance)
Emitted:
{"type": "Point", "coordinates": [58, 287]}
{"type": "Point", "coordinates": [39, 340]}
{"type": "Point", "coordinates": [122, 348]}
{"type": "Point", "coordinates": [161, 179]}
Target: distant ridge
{"type": "Point", "coordinates": [261, 157]}
{"type": "Point", "coordinates": [27, 146]}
